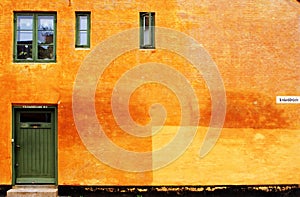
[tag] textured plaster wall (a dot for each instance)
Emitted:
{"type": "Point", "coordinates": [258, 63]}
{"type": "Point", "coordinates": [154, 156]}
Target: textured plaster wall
{"type": "Point", "coordinates": [255, 45]}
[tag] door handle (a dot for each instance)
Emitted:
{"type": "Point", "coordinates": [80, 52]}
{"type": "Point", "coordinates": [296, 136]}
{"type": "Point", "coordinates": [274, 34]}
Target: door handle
{"type": "Point", "coordinates": [18, 146]}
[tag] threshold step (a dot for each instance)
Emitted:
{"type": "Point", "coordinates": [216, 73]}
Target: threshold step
{"type": "Point", "coordinates": [33, 191]}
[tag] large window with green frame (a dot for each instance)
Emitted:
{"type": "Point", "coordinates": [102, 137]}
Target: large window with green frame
{"type": "Point", "coordinates": [83, 23]}
{"type": "Point", "coordinates": [147, 31]}
{"type": "Point", "coordinates": [34, 37]}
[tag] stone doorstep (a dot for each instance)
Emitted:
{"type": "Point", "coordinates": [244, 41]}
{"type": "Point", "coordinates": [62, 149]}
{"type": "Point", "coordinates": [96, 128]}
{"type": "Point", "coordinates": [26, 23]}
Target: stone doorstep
{"type": "Point", "coordinates": [33, 191]}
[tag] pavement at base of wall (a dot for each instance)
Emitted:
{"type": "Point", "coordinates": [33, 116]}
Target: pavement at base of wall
{"type": "Point", "coordinates": [245, 191]}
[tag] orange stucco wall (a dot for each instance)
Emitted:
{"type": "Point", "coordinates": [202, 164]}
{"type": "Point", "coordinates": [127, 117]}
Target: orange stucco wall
{"type": "Point", "coordinates": [255, 45]}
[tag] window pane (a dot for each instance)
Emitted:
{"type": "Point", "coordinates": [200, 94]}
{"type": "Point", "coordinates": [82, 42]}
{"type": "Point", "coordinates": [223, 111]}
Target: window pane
{"type": "Point", "coordinates": [46, 22]}
{"type": "Point", "coordinates": [24, 36]}
{"type": "Point", "coordinates": [146, 22]}
{"type": "Point", "coordinates": [35, 117]}
{"type": "Point", "coordinates": [24, 51]}
{"type": "Point", "coordinates": [83, 38]}
{"type": "Point", "coordinates": [83, 22]}
{"type": "Point", "coordinates": [25, 22]}
{"type": "Point", "coordinates": [45, 37]}
{"type": "Point", "coordinates": [45, 52]}
{"type": "Point", "coordinates": [147, 37]}
{"type": "Point", "coordinates": [147, 29]}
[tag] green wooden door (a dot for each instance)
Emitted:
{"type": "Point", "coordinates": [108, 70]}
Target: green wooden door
{"type": "Point", "coordinates": [34, 147]}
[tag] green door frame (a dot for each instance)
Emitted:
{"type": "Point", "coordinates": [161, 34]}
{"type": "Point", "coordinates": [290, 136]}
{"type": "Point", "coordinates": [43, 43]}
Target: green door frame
{"type": "Point", "coordinates": [15, 109]}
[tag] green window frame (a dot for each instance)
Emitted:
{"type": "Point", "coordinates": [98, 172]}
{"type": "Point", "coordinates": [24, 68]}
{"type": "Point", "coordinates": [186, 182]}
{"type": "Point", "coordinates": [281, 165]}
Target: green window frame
{"type": "Point", "coordinates": [83, 26]}
{"type": "Point", "coordinates": [34, 37]}
{"type": "Point", "coordinates": [147, 30]}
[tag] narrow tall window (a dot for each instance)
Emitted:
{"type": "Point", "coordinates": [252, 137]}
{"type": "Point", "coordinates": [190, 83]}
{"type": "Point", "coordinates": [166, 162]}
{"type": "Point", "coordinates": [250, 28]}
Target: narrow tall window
{"type": "Point", "coordinates": [147, 33]}
{"type": "Point", "coordinates": [83, 29]}
{"type": "Point", "coordinates": [34, 37]}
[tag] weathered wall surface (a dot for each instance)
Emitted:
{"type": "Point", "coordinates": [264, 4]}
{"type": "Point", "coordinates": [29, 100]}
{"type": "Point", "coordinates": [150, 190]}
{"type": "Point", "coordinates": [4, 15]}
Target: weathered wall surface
{"type": "Point", "coordinates": [255, 46]}
{"type": "Point", "coordinates": [241, 156]}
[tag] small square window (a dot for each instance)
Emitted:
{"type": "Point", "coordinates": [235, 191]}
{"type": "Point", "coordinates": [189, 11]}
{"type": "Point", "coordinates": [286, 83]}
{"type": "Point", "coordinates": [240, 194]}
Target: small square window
{"type": "Point", "coordinates": [83, 29]}
{"type": "Point", "coordinates": [147, 31]}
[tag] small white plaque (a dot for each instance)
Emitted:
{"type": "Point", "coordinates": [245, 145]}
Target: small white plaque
{"type": "Point", "coordinates": [288, 99]}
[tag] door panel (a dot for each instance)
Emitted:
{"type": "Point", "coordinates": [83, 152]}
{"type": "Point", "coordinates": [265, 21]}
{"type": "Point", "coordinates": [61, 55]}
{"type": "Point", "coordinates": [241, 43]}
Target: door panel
{"type": "Point", "coordinates": [35, 147]}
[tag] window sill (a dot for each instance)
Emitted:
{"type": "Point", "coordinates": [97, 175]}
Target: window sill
{"type": "Point", "coordinates": [145, 50]}
{"type": "Point", "coordinates": [34, 65]}
{"type": "Point", "coordinates": [82, 48]}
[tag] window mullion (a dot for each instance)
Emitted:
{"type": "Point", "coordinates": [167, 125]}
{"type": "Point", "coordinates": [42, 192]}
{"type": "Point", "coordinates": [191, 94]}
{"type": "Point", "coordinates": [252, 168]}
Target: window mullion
{"type": "Point", "coordinates": [54, 36]}
{"type": "Point", "coordinates": [142, 30]}
{"type": "Point", "coordinates": [15, 55]}
{"type": "Point", "coordinates": [77, 30]}
{"type": "Point", "coordinates": [89, 30]}
{"type": "Point", "coordinates": [34, 40]}
{"type": "Point", "coordinates": [152, 26]}
{"type": "Point", "coordinates": [150, 29]}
